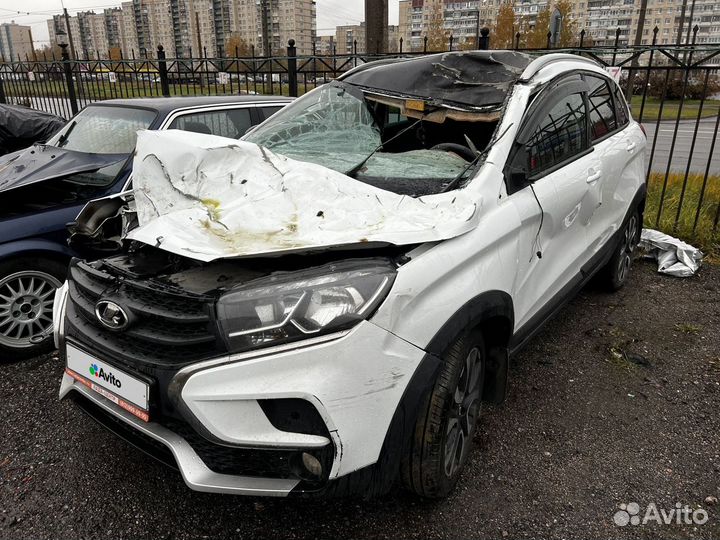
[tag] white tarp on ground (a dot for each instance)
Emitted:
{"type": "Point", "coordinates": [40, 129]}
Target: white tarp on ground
{"type": "Point", "coordinates": [208, 197]}
{"type": "Point", "coordinates": [674, 256]}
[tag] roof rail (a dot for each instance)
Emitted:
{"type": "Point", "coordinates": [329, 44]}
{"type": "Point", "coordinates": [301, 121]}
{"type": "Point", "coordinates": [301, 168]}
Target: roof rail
{"type": "Point", "coordinates": [547, 59]}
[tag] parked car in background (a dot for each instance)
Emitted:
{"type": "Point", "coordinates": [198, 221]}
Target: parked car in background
{"type": "Point", "coordinates": [42, 189]}
{"type": "Point", "coordinates": [21, 126]}
{"type": "Point", "coordinates": [322, 307]}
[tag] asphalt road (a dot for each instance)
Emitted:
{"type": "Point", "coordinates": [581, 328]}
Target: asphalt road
{"type": "Point", "coordinates": [616, 401]}
{"type": "Point", "coordinates": [683, 143]}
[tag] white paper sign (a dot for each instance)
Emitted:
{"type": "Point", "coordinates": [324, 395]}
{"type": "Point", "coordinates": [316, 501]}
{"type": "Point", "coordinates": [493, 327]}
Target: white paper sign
{"type": "Point", "coordinates": [112, 76]}
{"type": "Point", "coordinates": [31, 76]}
{"type": "Point", "coordinates": [223, 77]}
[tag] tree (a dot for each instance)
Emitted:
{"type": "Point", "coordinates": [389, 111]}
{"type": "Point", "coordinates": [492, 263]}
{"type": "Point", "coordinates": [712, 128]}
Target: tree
{"type": "Point", "coordinates": [503, 34]}
{"type": "Point", "coordinates": [569, 28]}
{"type": "Point", "coordinates": [438, 38]}
{"type": "Point", "coordinates": [236, 42]}
{"type": "Point", "coordinates": [537, 36]}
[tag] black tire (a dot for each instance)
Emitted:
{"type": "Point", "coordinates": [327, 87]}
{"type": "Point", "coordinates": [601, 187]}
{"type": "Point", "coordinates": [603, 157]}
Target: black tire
{"type": "Point", "coordinates": [28, 312]}
{"type": "Point", "coordinates": [616, 272]}
{"type": "Point", "coordinates": [436, 458]}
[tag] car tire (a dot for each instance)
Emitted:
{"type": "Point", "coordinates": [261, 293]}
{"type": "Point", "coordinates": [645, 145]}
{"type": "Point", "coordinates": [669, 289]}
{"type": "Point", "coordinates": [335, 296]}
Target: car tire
{"type": "Point", "coordinates": [27, 292]}
{"type": "Point", "coordinates": [616, 272]}
{"type": "Point", "coordinates": [446, 424]}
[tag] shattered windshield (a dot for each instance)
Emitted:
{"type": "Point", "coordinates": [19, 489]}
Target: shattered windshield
{"type": "Point", "coordinates": [330, 126]}
{"type": "Point", "coordinates": [376, 140]}
{"type": "Point", "coordinates": [103, 130]}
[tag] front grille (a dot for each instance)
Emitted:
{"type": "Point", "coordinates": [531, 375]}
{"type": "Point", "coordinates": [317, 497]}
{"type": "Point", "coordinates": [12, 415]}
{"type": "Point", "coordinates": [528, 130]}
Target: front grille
{"type": "Point", "coordinates": [169, 330]}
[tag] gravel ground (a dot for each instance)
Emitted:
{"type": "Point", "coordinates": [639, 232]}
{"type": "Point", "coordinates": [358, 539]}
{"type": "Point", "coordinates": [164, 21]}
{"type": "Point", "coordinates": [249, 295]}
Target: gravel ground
{"type": "Point", "coordinates": [616, 401]}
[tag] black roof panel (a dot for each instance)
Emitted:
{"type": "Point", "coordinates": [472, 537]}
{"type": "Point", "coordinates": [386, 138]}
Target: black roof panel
{"type": "Point", "coordinates": [467, 78]}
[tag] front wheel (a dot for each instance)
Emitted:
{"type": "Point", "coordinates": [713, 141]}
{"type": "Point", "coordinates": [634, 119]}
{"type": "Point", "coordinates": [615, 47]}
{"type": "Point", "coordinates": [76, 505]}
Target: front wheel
{"type": "Point", "coordinates": [27, 292]}
{"type": "Point", "coordinates": [446, 425]}
{"type": "Point", "coordinates": [616, 272]}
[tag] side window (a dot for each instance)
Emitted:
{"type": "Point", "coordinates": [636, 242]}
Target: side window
{"type": "Point", "coordinates": [560, 134]}
{"type": "Point", "coordinates": [601, 108]}
{"type": "Point", "coordinates": [232, 123]}
{"type": "Point", "coordinates": [621, 107]}
{"type": "Point", "coordinates": [268, 111]}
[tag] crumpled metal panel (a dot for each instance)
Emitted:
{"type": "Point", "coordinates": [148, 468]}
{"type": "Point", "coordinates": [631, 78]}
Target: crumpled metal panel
{"type": "Point", "coordinates": [207, 197]}
{"type": "Point", "coordinates": [41, 162]}
{"type": "Point", "coordinates": [471, 78]}
{"type": "Point", "coordinates": [674, 257]}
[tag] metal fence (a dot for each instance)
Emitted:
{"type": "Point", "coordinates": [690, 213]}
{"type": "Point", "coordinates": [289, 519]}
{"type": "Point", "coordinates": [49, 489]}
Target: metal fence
{"type": "Point", "coordinates": [674, 92]}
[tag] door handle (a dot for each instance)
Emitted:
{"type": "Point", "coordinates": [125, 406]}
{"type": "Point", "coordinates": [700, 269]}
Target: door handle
{"type": "Point", "coordinates": [594, 177]}
{"type": "Point", "coordinates": [631, 147]}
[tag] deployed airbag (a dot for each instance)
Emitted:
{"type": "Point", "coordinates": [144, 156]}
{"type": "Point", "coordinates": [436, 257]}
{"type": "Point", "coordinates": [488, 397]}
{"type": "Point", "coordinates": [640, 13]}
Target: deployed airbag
{"type": "Point", "coordinates": [207, 197]}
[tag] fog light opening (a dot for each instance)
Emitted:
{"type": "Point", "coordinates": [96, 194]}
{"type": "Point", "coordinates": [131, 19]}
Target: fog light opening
{"type": "Point", "coordinates": [308, 467]}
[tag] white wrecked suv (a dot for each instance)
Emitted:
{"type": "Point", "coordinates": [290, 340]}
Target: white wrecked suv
{"type": "Point", "coordinates": [322, 307]}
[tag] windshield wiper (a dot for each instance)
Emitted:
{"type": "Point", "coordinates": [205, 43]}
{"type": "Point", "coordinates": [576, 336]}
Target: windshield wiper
{"type": "Point", "coordinates": [64, 137]}
{"type": "Point", "coordinates": [382, 144]}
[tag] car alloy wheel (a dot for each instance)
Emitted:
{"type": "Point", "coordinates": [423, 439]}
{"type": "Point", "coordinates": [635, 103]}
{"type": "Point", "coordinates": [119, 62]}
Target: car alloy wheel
{"type": "Point", "coordinates": [463, 412]}
{"type": "Point", "coordinates": [627, 246]}
{"type": "Point", "coordinates": [26, 303]}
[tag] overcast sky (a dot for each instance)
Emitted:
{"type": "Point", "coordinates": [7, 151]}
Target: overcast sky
{"type": "Point", "coordinates": [330, 13]}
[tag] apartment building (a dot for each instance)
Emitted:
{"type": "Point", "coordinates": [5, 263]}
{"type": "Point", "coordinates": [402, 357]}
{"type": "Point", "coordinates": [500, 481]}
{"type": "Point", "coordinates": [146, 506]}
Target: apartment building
{"type": "Point", "coordinates": [348, 37]}
{"type": "Point", "coordinates": [599, 18]}
{"type": "Point", "coordinates": [15, 41]}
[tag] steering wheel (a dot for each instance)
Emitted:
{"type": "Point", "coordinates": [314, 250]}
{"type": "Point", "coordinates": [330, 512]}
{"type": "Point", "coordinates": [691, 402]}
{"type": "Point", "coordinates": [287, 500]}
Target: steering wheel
{"type": "Point", "coordinates": [459, 149]}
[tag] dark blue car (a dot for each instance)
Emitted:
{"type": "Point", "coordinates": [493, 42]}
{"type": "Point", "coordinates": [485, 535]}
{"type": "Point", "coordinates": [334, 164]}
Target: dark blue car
{"type": "Point", "coordinates": [44, 187]}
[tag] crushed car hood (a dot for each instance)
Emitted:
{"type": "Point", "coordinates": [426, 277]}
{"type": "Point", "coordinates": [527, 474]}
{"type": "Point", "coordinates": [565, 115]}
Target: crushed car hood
{"type": "Point", "coordinates": [474, 79]}
{"type": "Point", "coordinates": [208, 197]}
{"type": "Point", "coordinates": [41, 162]}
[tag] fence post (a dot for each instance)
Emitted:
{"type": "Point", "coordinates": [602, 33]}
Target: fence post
{"type": "Point", "coordinates": [517, 41]}
{"type": "Point", "coordinates": [582, 37]}
{"type": "Point", "coordinates": [69, 79]}
{"type": "Point", "coordinates": [3, 99]}
{"type": "Point", "coordinates": [400, 42]}
{"type": "Point", "coordinates": [452, 38]}
{"type": "Point", "coordinates": [484, 39]}
{"type": "Point", "coordinates": [162, 68]}
{"type": "Point", "coordinates": [549, 35]}
{"type": "Point", "coordinates": [425, 40]}
{"type": "Point", "coordinates": [292, 68]}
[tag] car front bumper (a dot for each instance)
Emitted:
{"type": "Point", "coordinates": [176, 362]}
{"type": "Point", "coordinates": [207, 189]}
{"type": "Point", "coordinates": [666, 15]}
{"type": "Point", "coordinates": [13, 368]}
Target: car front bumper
{"type": "Point", "coordinates": [355, 380]}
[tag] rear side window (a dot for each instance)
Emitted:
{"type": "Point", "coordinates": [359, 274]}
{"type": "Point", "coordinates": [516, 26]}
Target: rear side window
{"type": "Point", "coordinates": [267, 112]}
{"type": "Point", "coordinates": [559, 136]}
{"type": "Point", "coordinates": [232, 123]}
{"type": "Point", "coordinates": [621, 107]}
{"type": "Point", "coordinates": [602, 110]}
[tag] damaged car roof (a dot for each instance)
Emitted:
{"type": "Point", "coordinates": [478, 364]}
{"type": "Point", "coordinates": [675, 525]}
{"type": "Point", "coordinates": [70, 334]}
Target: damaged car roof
{"type": "Point", "coordinates": [474, 79]}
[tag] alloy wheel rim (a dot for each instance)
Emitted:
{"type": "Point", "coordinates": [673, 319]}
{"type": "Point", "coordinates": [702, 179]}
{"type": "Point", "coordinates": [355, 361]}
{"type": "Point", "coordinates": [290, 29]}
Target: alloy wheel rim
{"type": "Point", "coordinates": [627, 246]}
{"type": "Point", "coordinates": [463, 412]}
{"type": "Point", "coordinates": [26, 303]}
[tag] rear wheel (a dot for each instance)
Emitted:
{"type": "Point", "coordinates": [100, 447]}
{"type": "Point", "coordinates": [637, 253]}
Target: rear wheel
{"type": "Point", "coordinates": [445, 428]}
{"type": "Point", "coordinates": [27, 293]}
{"type": "Point", "coordinates": [618, 269]}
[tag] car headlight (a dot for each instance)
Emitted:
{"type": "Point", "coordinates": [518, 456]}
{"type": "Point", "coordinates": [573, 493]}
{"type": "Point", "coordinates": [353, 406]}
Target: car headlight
{"type": "Point", "coordinates": [288, 306]}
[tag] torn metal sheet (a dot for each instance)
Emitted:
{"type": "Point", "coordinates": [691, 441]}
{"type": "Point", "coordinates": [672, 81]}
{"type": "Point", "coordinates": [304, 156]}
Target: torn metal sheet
{"type": "Point", "coordinates": [674, 257]}
{"type": "Point", "coordinates": [474, 79]}
{"type": "Point", "coordinates": [207, 197]}
{"type": "Point", "coordinates": [41, 162]}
